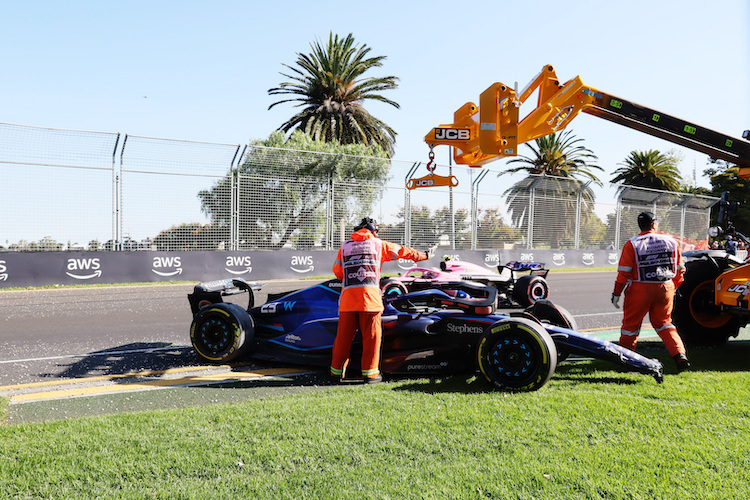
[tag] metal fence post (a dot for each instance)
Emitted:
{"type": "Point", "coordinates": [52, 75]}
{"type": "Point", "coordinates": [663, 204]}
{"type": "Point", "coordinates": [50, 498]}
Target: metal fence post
{"type": "Point", "coordinates": [407, 204]}
{"type": "Point", "coordinates": [579, 195]}
{"type": "Point", "coordinates": [475, 207]}
{"type": "Point", "coordinates": [117, 239]}
{"type": "Point", "coordinates": [115, 189]}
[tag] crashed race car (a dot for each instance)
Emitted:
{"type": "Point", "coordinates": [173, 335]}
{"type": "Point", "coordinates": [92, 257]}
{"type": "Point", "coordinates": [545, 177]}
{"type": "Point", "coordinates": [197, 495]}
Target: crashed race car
{"type": "Point", "coordinates": [425, 333]}
{"type": "Point", "coordinates": [518, 284]}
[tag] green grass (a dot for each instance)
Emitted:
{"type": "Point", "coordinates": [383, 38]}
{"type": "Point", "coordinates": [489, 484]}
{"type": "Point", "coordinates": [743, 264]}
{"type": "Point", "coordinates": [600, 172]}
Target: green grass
{"type": "Point", "coordinates": [592, 432]}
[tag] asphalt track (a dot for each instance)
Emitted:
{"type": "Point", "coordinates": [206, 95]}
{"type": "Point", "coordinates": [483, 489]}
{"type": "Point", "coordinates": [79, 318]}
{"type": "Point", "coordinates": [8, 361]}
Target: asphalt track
{"type": "Point", "coordinates": [89, 351]}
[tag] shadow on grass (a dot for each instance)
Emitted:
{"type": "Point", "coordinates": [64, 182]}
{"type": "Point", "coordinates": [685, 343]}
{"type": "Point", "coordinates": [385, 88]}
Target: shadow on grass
{"type": "Point", "coordinates": [734, 356]}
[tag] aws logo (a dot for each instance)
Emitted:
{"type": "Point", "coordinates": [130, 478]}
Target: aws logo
{"type": "Point", "coordinates": [527, 257]}
{"type": "Point", "coordinates": [84, 269]}
{"type": "Point", "coordinates": [587, 259]}
{"type": "Point", "coordinates": [3, 271]}
{"type": "Point", "coordinates": [405, 263]}
{"type": "Point", "coordinates": [558, 259]}
{"type": "Point", "coordinates": [242, 261]}
{"type": "Point", "coordinates": [172, 266]}
{"type": "Point", "coordinates": [613, 258]}
{"type": "Point", "coordinates": [491, 260]}
{"type": "Point", "coordinates": [302, 264]}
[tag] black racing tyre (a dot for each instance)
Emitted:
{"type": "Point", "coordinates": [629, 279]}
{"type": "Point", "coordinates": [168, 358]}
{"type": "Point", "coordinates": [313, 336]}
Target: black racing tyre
{"type": "Point", "coordinates": [698, 320]}
{"type": "Point", "coordinates": [222, 332]}
{"type": "Point", "coordinates": [547, 312]}
{"type": "Point", "coordinates": [393, 288]}
{"type": "Point", "coordinates": [528, 289]}
{"type": "Point", "coordinates": [517, 354]}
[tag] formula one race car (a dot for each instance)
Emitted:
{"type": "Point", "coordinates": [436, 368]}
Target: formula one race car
{"type": "Point", "coordinates": [518, 283]}
{"type": "Point", "coordinates": [425, 333]}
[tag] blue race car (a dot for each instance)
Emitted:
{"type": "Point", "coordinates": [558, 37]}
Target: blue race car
{"type": "Point", "coordinates": [425, 333]}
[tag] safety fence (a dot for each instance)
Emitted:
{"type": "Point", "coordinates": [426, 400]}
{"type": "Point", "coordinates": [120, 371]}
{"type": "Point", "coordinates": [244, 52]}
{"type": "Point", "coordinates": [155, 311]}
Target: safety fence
{"type": "Point", "coordinates": [68, 190]}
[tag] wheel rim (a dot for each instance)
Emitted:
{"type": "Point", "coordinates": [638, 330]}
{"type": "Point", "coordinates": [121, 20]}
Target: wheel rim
{"type": "Point", "coordinates": [215, 335]}
{"type": "Point", "coordinates": [512, 357]}
{"type": "Point", "coordinates": [703, 309]}
{"type": "Point", "coordinates": [537, 292]}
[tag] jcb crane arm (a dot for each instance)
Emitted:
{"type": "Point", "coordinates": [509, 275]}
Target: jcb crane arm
{"type": "Point", "coordinates": [492, 130]}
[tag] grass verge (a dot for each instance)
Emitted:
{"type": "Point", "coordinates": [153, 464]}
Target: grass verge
{"type": "Point", "coordinates": [590, 433]}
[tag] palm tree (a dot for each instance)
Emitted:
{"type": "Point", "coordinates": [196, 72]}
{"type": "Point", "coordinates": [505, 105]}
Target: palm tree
{"type": "Point", "coordinates": [650, 169]}
{"type": "Point", "coordinates": [328, 85]}
{"type": "Point", "coordinates": [559, 156]}
{"type": "Point", "coordinates": [559, 176]}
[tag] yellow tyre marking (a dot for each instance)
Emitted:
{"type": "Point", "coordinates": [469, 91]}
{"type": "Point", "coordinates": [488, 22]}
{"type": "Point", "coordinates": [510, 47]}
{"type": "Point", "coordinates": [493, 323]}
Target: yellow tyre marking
{"type": "Point", "coordinates": [140, 385]}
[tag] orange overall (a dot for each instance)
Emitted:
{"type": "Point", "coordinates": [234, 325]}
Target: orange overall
{"type": "Point", "coordinates": [358, 265]}
{"type": "Point", "coordinates": [650, 270]}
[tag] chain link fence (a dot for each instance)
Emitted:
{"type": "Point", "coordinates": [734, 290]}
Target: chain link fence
{"type": "Point", "coordinates": [78, 190]}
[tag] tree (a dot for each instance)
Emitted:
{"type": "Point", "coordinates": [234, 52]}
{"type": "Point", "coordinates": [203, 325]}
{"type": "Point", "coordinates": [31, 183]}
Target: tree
{"type": "Point", "coordinates": [328, 85]}
{"type": "Point", "coordinates": [427, 228]}
{"type": "Point", "coordinates": [190, 236]}
{"type": "Point", "coordinates": [560, 171]}
{"type": "Point", "coordinates": [285, 186]}
{"type": "Point", "coordinates": [558, 156]}
{"type": "Point", "coordinates": [493, 231]}
{"type": "Point", "coordinates": [723, 177]}
{"type": "Point", "coordinates": [650, 169]}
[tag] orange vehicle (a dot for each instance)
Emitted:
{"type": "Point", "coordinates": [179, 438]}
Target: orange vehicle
{"type": "Point", "coordinates": [712, 303]}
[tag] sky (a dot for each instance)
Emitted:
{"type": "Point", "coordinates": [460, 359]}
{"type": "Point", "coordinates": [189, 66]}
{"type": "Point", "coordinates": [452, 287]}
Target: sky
{"type": "Point", "coordinates": [201, 70]}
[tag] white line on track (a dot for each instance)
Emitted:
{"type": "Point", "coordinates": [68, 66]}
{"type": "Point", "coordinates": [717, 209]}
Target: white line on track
{"type": "Point", "coordinates": [107, 353]}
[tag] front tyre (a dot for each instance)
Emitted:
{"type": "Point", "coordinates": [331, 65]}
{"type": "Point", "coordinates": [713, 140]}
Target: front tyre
{"type": "Point", "coordinates": [697, 318]}
{"type": "Point", "coordinates": [222, 332]}
{"type": "Point", "coordinates": [528, 289]}
{"type": "Point", "coordinates": [517, 354]}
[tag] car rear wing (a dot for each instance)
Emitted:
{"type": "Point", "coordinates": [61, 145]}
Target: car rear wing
{"type": "Point", "coordinates": [212, 292]}
{"type": "Point", "coordinates": [533, 268]}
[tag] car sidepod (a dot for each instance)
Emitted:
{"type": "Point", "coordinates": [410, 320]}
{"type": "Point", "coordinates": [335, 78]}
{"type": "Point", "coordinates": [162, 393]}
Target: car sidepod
{"type": "Point", "coordinates": [439, 343]}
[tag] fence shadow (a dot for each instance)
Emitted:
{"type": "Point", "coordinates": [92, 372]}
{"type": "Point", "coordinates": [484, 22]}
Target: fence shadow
{"type": "Point", "coordinates": [128, 358]}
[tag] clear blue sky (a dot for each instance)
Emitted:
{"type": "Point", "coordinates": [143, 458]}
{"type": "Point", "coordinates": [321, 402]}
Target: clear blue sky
{"type": "Point", "coordinates": [200, 70]}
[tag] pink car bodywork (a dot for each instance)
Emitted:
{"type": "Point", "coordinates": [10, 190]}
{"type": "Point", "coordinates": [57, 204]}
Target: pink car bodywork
{"type": "Point", "coordinates": [515, 287]}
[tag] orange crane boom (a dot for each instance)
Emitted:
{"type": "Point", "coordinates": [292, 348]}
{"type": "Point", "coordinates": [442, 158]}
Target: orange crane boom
{"type": "Point", "coordinates": [493, 130]}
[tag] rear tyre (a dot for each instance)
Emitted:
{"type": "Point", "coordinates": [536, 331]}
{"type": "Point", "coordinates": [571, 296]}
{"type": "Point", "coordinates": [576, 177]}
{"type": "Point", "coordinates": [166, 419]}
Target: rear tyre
{"type": "Point", "coordinates": [222, 332]}
{"type": "Point", "coordinates": [547, 312]}
{"type": "Point", "coordinates": [393, 288]}
{"type": "Point", "coordinates": [698, 320]}
{"type": "Point", "coordinates": [517, 354]}
{"type": "Point", "coordinates": [528, 289]}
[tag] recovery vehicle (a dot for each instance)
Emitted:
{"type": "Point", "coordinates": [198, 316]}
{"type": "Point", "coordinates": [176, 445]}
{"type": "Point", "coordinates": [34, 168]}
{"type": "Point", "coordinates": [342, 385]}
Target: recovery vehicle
{"type": "Point", "coordinates": [712, 303]}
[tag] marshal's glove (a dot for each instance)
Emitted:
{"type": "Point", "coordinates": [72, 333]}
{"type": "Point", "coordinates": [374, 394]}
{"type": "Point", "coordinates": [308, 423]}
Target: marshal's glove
{"type": "Point", "coordinates": [430, 252]}
{"type": "Point", "coordinates": [616, 301]}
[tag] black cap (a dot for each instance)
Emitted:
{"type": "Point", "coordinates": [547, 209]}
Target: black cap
{"type": "Point", "coordinates": [645, 219]}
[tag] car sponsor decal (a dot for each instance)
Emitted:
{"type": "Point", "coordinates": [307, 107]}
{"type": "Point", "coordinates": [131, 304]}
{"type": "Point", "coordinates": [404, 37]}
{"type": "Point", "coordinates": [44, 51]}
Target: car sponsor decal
{"type": "Point", "coordinates": [464, 328]}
